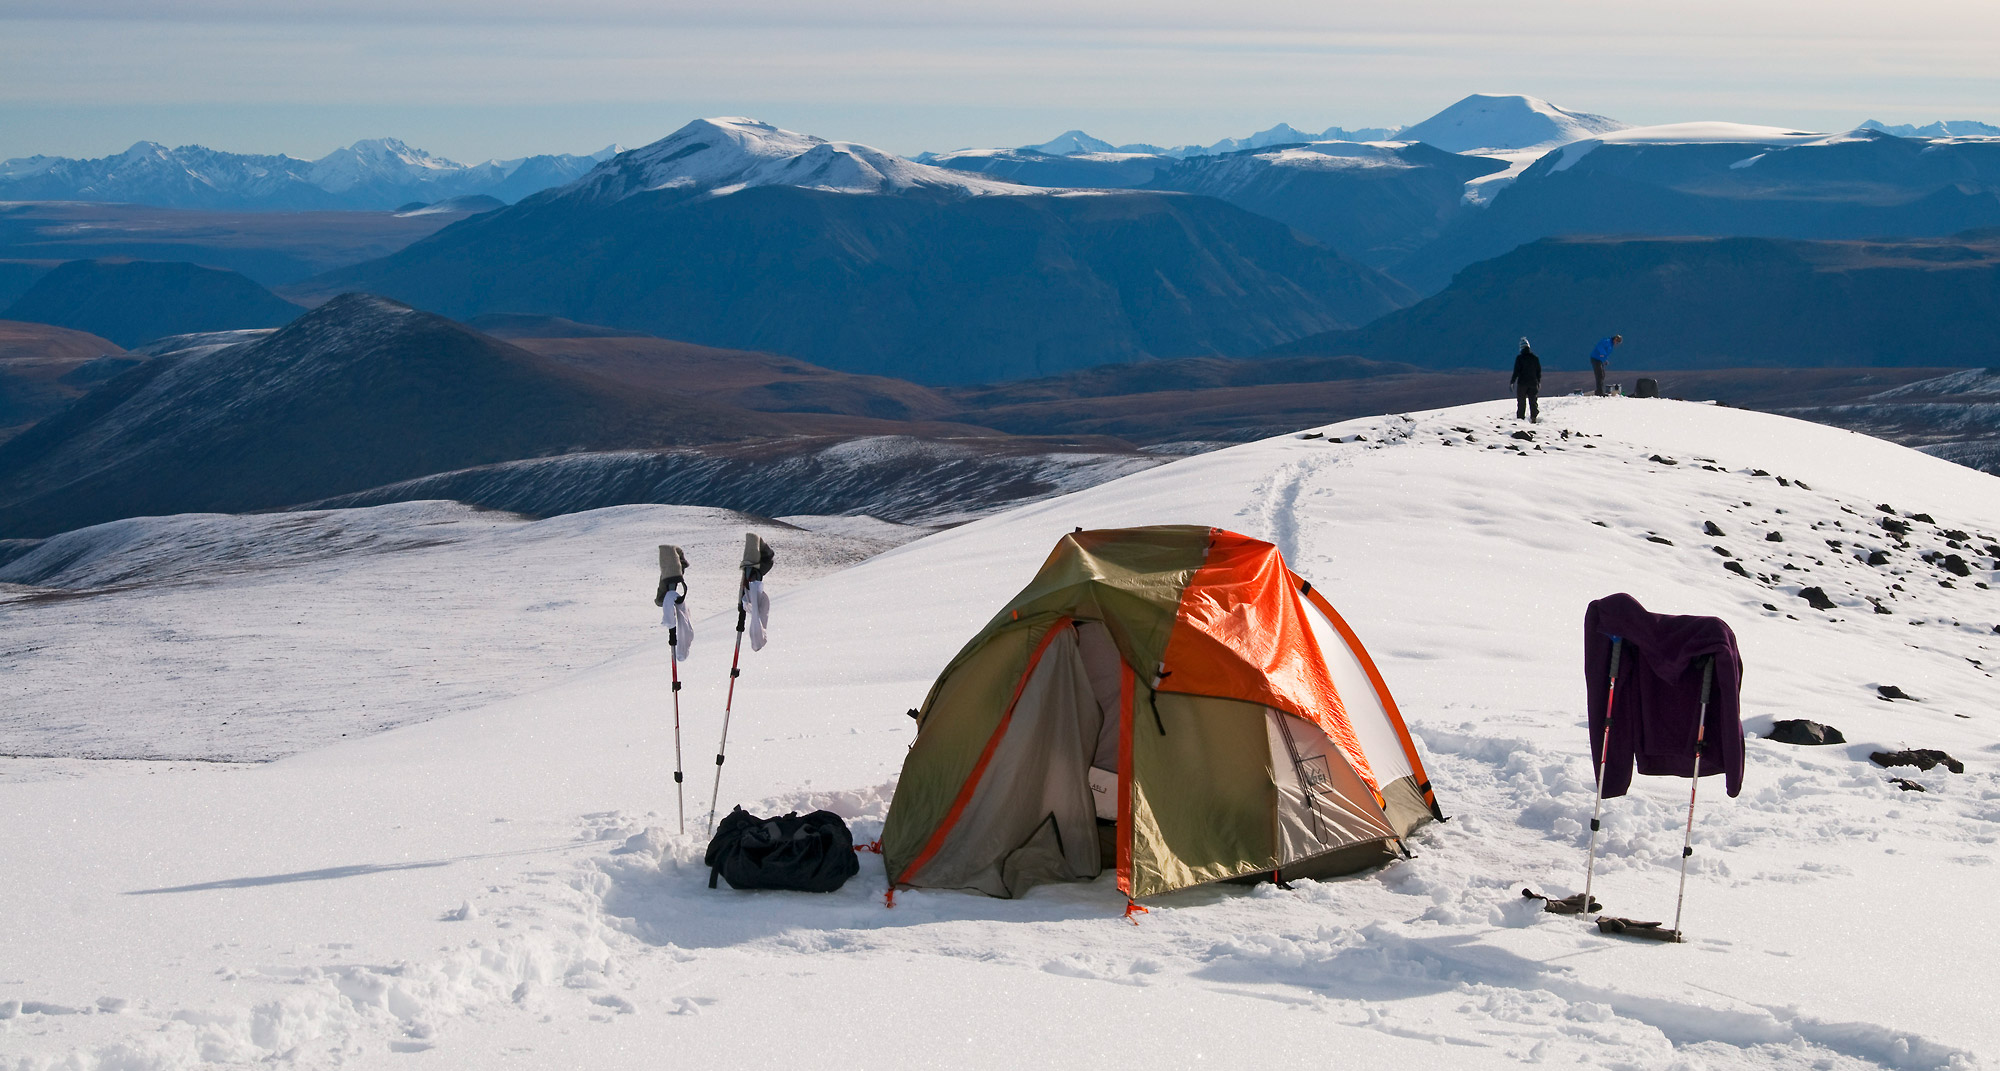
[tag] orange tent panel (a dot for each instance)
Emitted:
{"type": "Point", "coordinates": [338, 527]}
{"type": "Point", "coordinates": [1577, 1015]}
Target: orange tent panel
{"type": "Point", "coordinates": [1240, 633]}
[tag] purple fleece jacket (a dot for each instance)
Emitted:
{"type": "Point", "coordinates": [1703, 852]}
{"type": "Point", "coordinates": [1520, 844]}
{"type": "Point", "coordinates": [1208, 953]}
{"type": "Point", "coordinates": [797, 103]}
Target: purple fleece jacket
{"type": "Point", "coordinates": [1659, 693]}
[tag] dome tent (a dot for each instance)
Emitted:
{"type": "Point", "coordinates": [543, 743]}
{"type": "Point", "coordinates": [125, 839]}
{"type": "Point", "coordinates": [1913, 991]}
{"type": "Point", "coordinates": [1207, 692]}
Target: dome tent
{"type": "Point", "coordinates": [1172, 702]}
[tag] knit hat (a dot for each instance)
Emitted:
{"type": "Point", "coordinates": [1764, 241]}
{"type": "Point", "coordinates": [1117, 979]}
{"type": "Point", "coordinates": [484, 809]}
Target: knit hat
{"type": "Point", "coordinates": [1524, 343]}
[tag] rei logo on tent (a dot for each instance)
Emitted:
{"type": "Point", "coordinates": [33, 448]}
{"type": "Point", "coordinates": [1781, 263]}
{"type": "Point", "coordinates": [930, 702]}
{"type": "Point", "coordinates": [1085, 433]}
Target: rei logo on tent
{"type": "Point", "coordinates": [1172, 703]}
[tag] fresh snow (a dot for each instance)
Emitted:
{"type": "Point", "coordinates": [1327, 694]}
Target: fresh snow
{"type": "Point", "coordinates": [504, 885]}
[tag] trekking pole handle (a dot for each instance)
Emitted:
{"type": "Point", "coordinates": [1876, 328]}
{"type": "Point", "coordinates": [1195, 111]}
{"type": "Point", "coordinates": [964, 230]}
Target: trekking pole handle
{"type": "Point", "coordinates": [1617, 648]}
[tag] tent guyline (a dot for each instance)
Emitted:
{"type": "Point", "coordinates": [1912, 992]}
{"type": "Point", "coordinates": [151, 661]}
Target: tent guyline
{"type": "Point", "coordinates": [1169, 703]}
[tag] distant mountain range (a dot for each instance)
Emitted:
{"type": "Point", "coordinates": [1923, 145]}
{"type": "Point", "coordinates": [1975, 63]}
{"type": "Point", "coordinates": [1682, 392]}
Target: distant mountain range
{"type": "Point", "coordinates": [1491, 173]}
{"type": "Point", "coordinates": [376, 174]}
{"type": "Point", "coordinates": [1702, 303]}
{"type": "Point", "coordinates": [1725, 179]}
{"type": "Point", "coordinates": [368, 400]}
{"type": "Point", "coordinates": [1956, 128]}
{"type": "Point", "coordinates": [735, 233]}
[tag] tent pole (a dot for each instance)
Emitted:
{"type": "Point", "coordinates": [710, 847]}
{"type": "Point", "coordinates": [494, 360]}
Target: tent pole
{"type": "Point", "coordinates": [742, 613]}
{"type": "Point", "coordinates": [1603, 755]}
{"type": "Point", "coordinates": [1694, 784]}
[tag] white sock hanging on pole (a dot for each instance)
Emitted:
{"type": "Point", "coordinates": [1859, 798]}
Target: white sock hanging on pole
{"type": "Point", "coordinates": [758, 606]}
{"type": "Point", "coordinates": [757, 559]}
{"type": "Point", "coordinates": [671, 598]}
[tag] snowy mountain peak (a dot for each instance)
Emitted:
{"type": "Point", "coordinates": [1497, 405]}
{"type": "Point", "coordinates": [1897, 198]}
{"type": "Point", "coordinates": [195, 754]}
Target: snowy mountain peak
{"type": "Point", "coordinates": [395, 150]}
{"type": "Point", "coordinates": [1071, 143]}
{"type": "Point", "coordinates": [376, 160]}
{"type": "Point", "coordinates": [723, 155]}
{"type": "Point", "coordinates": [1485, 121]}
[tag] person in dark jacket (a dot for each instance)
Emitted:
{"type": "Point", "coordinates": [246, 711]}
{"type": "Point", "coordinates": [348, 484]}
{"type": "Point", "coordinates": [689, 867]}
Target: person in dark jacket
{"type": "Point", "coordinates": [1527, 381]}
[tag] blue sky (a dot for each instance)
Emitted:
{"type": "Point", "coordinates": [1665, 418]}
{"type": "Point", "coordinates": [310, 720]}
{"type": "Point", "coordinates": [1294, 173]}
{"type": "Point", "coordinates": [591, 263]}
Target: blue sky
{"type": "Point", "coordinates": [506, 78]}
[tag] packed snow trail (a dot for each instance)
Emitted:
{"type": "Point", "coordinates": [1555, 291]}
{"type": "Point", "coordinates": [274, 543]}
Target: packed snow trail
{"type": "Point", "coordinates": [501, 886]}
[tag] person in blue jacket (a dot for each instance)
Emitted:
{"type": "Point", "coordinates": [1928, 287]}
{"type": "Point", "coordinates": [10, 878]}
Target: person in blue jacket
{"type": "Point", "coordinates": [1600, 359]}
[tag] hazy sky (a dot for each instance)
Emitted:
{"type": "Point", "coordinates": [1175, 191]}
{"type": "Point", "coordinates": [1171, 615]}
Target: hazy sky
{"type": "Point", "coordinates": [472, 80]}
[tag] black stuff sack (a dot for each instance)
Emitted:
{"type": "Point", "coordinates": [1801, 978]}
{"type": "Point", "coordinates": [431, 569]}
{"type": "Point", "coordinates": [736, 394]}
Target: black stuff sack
{"type": "Point", "coordinates": [809, 853]}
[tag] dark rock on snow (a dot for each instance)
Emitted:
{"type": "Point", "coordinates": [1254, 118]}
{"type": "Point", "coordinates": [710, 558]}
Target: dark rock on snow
{"type": "Point", "coordinates": [1890, 691]}
{"type": "Point", "coordinates": [1878, 557]}
{"type": "Point", "coordinates": [1921, 758]}
{"type": "Point", "coordinates": [1816, 598]}
{"type": "Point", "coordinates": [1737, 568]}
{"type": "Point", "coordinates": [1774, 537]}
{"type": "Point", "coordinates": [1711, 528]}
{"type": "Point", "coordinates": [1801, 731]}
{"type": "Point", "coordinates": [1907, 785]}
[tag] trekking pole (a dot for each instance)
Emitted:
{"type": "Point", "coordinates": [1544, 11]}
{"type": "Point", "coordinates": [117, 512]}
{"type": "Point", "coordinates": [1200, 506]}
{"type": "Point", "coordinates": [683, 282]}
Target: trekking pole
{"type": "Point", "coordinates": [1694, 783]}
{"type": "Point", "coordinates": [1603, 755]}
{"type": "Point", "coordinates": [756, 562]}
{"type": "Point", "coordinates": [680, 789]}
{"type": "Point", "coordinates": [673, 581]}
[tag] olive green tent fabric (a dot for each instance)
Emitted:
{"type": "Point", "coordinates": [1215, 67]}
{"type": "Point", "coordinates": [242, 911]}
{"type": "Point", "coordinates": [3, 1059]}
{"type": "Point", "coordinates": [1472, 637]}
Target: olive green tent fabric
{"type": "Point", "coordinates": [1030, 818]}
{"type": "Point", "coordinates": [1130, 579]}
{"type": "Point", "coordinates": [1203, 803]}
{"type": "Point", "coordinates": [976, 691]}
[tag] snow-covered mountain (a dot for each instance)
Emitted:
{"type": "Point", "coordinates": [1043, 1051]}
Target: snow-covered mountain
{"type": "Point", "coordinates": [1077, 143]}
{"type": "Point", "coordinates": [1375, 201]}
{"type": "Point", "coordinates": [1953, 128]}
{"type": "Point", "coordinates": [1501, 122]}
{"type": "Point", "coordinates": [720, 156]}
{"type": "Point", "coordinates": [377, 159]}
{"type": "Point", "coordinates": [1071, 142]}
{"type": "Point", "coordinates": [1033, 167]}
{"type": "Point", "coordinates": [1726, 179]}
{"type": "Point", "coordinates": [511, 875]}
{"type": "Point", "coordinates": [372, 174]}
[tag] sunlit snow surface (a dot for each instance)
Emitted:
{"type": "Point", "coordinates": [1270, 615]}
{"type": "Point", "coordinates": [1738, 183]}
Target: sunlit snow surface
{"type": "Point", "coordinates": [505, 886]}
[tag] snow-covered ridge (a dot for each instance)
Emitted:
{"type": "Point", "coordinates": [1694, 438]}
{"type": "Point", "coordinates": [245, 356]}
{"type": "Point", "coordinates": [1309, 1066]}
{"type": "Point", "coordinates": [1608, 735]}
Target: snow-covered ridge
{"type": "Point", "coordinates": [723, 155]}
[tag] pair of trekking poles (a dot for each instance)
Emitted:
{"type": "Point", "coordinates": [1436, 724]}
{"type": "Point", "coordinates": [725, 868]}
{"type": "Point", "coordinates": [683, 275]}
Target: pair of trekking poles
{"type": "Point", "coordinates": [1583, 904]}
{"type": "Point", "coordinates": [751, 609]}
